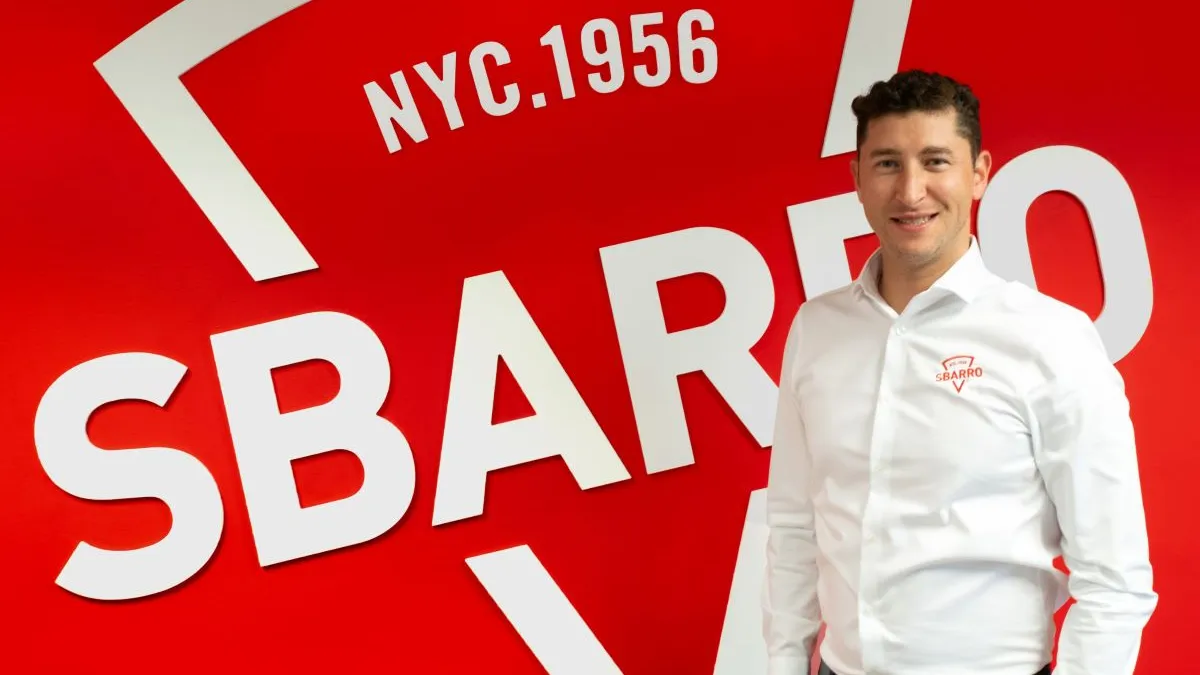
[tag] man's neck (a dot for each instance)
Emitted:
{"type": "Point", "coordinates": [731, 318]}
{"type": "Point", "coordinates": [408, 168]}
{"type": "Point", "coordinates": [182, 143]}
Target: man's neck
{"type": "Point", "coordinates": [899, 284]}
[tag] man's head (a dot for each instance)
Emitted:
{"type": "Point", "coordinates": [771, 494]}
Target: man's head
{"type": "Point", "coordinates": [919, 167]}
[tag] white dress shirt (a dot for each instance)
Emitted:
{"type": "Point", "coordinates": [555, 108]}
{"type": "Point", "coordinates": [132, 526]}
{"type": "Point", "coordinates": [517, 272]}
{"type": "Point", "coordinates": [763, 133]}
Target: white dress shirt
{"type": "Point", "coordinates": [929, 467]}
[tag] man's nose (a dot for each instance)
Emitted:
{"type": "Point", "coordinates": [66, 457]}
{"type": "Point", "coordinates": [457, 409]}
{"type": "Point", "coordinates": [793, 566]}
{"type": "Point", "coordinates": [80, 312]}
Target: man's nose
{"type": "Point", "coordinates": [910, 189]}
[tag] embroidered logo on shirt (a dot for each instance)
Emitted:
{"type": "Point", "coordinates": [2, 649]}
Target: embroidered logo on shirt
{"type": "Point", "coordinates": [959, 369]}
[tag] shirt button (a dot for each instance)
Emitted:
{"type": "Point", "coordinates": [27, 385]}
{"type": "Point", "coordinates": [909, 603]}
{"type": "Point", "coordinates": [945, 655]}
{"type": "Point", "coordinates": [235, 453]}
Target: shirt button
{"type": "Point", "coordinates": [898, 330]}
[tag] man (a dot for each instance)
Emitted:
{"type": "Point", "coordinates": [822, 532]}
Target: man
{"type": "Point", "coordinates": [943, 436]}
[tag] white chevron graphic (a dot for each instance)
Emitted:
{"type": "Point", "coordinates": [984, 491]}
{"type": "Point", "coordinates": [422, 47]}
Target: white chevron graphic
{"type": "Point", "coordinates": [144, 70]}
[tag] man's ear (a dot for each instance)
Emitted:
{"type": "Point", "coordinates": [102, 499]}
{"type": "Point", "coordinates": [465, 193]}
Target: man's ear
{"type": "Point", "coordinates": [854, 171]}
{"type": "Point", "coordinates": [983, 171]}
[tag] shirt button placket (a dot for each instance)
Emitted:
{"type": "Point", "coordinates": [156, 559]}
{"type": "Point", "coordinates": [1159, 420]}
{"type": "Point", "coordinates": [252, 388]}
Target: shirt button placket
{"type": "Point", "coordinates": [882, 438]}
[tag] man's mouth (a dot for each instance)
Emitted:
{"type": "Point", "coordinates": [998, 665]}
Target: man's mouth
{"type": "Point", "coordinates": [917, 220]}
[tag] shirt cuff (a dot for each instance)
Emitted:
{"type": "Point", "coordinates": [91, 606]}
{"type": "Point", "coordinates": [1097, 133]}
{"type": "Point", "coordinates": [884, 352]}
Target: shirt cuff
{"type": "Point", "coordinates": [788, 665]}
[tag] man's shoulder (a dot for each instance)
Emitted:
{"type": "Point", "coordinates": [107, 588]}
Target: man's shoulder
{"type": "Point", "coordinates": [1056, 334]}
{"type": "Point", "coordinates": [1032, 310]}
{"type": "Point", "coordinates": [836, 298]}
{"type": "Point", "coordinates": [818, 311]}
{"type": "Point", "coordinates": [822, 309]}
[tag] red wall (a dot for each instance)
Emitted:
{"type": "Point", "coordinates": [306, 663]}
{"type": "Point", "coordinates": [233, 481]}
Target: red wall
{"type": "Point", "coordinates": [108, 252]}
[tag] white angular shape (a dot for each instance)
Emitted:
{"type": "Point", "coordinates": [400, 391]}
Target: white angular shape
{"type": "Point", "coordinates": [144, 70]}
{"type": "Point", "coordinates": [540, 613]}
{"type": "Point", "coordinates": [742, 649]}
{"type": "Point", "coordinates": [874, 40]}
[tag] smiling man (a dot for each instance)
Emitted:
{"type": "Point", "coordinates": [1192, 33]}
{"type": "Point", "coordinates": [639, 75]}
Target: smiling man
{"type": "Point", "coordinates": [943, 436]}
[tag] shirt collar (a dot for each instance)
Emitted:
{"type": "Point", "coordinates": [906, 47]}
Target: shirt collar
{"type": "Point", "coordinates": [966, 278]}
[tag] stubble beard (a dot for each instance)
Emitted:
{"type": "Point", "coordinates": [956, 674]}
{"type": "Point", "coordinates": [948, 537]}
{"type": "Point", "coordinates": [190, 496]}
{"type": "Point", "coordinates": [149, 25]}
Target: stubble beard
{"type": "Point", "coordinates": [915, 261]}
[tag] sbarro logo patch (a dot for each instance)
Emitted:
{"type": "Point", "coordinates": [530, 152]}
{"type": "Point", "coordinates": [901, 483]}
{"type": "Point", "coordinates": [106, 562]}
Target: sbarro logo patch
{"type": "Point", "coordinates": [958, 369]}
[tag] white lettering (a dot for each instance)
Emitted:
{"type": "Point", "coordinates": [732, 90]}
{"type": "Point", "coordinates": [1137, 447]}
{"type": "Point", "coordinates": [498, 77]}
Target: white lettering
{"type": "Point", "coordinates": [820, 229]}
{"type": "Point", "coordinates": [266, 441]}
{"type": "Point", "coordinates": [80, 468]}
{"type": "Point", "coordinates": [483, 86]}
{"type": "Point", "coordinates": [1116, 229]}
{"type": "Point", "coordinates": [493, 323]}
{"type": "Point", "coordinates": [721, 350]}
{"type": "Point", "coordinates": [443, 87]}
{"type": "Point", "coordinates": [403, 112]}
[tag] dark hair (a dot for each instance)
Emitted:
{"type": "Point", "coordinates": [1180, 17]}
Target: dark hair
{"type": "Point", "coordinates": [918, 90]}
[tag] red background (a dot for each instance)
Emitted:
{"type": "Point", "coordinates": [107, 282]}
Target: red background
{"type": "Point", "coordinates": [106, 252]}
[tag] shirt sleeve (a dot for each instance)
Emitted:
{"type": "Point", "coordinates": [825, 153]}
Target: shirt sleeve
{"type": "Point", "coordinates": [1086, 454]}
{"type": "Point", "coordinates": [791, 616]}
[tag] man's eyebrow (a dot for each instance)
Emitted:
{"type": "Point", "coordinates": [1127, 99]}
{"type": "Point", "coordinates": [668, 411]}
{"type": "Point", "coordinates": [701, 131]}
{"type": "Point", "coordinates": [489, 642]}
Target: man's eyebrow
{"type": "Point", "coordinates": [927, 150]}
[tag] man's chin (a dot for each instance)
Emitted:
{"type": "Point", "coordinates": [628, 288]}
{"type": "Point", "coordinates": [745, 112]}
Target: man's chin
{"type": "Point", "coordinates": [914, 253]}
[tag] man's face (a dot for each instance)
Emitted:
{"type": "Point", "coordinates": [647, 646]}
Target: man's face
{"type": "Point", "coordinates": [916, 182]}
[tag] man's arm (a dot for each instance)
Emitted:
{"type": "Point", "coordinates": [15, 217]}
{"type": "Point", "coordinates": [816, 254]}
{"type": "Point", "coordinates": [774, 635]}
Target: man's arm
{"type": "Point", "coordinates": [1087, 457]}
{"type": "Point", "coordinates": [791, 616]}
